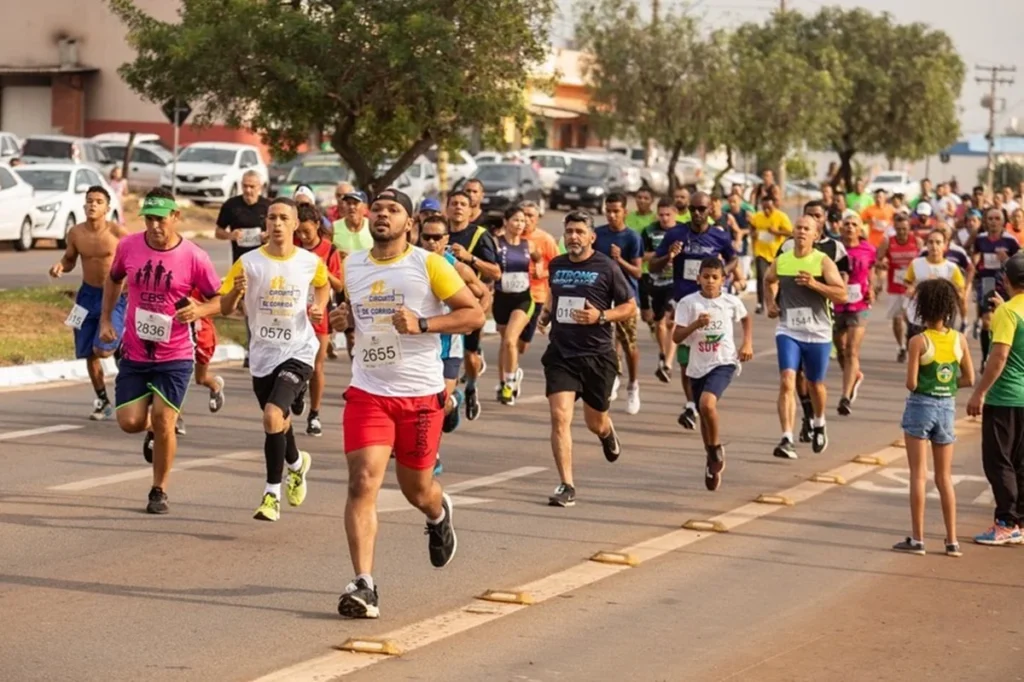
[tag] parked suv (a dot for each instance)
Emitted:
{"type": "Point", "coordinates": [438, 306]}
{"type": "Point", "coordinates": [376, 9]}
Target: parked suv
{"type": "Point", "coordinates": [55, 148]}
{"type": "Point", "coordinates": [508, 184]}
{"type": "Point", "coordinates": [213, 170]}
{"type": "Point", "coordinates": [587, 182]}
{"type": "Point", "coordinates": [146, 166]}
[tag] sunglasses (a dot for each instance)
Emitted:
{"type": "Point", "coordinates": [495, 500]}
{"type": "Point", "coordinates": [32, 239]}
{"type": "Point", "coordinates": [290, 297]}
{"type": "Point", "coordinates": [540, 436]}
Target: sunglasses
{"type": "Point", "coordinates": [432, 237]}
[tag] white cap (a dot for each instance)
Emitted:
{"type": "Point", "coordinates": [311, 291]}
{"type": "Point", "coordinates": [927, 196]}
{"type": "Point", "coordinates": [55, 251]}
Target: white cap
{"type": "Point", "coordinates": [305, 192]}
{"type": "Point", "coordinates": [924, 209]}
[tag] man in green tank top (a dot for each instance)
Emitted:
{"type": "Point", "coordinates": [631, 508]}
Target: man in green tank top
{"type": "Point", "coordinates": [802, 286]}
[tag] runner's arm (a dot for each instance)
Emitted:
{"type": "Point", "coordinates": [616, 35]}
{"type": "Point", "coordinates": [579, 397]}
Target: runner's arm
{"type": "Point", "coordinates": [466, 315]}
{"type": "Point", "coordinates": [478, 288]}
{"type": "Point", "coordinates": [621, 291]}
{"type": "Point", "coordinates": [111, 292]}
{"type": "Point", "coordinates": [747, 351]}
{"type": "Point", "coordinates": [914, 349]}
{"type": "Point", "coordinates": [632, 266]}
{"type": "Point", "coordinates": [70, 257]}
{"type": "Point", "coordinates": [229, 294]}
{"type": "Point", "coordinates": [834, 288]}
{"type": "Point", "coordinates": [771, 285]}
{"type": "Point", "coordinates": [662, 256]}
{"type": "Point", "coordinates": [485, 259]}
{"type": "Point", "coordinates": [966, 364]}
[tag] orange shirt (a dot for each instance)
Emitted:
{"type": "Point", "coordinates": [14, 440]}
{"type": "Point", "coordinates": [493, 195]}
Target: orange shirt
{"type": "Point", "coordinates": [878, 220]}
{"type": "Point", "coordinates": [548, 248]}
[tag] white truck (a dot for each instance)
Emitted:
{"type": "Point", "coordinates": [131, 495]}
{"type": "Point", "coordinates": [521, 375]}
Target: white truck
{"type": "Point", "coordinates": [895, 182]}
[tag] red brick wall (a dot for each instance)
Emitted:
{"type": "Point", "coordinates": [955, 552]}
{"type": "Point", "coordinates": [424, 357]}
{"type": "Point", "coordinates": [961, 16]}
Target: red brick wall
{"type": "Point", "coordinates": [68, 109]}
{"type": "Point", "coordinates": [187, 135]}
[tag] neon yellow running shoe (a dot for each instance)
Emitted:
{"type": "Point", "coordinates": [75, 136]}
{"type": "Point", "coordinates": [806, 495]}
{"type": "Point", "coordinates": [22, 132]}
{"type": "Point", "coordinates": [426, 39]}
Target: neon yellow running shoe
{"type": "Point", "coordinates": [269, 509]}
{"type": "Point", "coordinates": [507, 395]}
{"type": "Point", "coordinates": [295, 481]}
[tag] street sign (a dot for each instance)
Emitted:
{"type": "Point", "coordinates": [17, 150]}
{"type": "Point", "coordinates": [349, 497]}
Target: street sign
{"type": "Point", "coordinates": [944, 157]}
{"type": "Point", "coordinates": [176, 111]}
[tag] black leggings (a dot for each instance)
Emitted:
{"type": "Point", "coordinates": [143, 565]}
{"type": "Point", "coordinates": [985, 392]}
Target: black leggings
{"type": "Point", "coordinates": [761, 269]}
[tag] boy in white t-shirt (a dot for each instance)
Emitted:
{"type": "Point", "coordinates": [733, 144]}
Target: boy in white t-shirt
{"type": "Point", "coordinates": [704, 321]}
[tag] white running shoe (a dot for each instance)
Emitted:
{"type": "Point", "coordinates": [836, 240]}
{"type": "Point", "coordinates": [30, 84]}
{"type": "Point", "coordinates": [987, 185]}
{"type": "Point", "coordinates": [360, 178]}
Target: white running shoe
{"type": "Point", "coordinates": [633, 399]}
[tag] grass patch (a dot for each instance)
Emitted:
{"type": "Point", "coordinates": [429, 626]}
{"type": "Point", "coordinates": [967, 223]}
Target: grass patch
{"type": "Point", "coordinates": [230, 329]}
{"type": "Point", "coordinates": [193, 218]}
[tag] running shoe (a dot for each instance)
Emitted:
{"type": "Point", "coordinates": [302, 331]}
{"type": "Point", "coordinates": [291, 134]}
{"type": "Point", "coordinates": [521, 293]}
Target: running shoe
{"type": "Point", "coordinates": [314, 427]}
{"type": "Point", "coordinates": [805, 430]}
{"type": "Point", "coordinates": [147, 446]}
{"type": "Point", "coordinates": [785, 450]}
{"type": "Point", "coordinates": [688, 419]}
{"type": "Point", "coordinates": [359, 601]}
{"type": "Point", "coordinates": [856, 387]}
{"type": "Point", "coordinates": [483, 364]}
{"type": "Point", "coordinates": [157, 501]}
{"type": "Point", "coordinates": [902, 355]}
{"type": "Point", "coordinates": [953, 549]}
{"type": "Point", "coordinates": [1000, 534]}
{"type": "Point", "coordinates": [217, 396]}
{"type": "Point", "coordinates": [614, 395]}
{"type": "Point", "coordinates": [565, 496]}
{"type": "Point", "coordinates": [714, 467]}
{"type": "Point", "coordinates": [611, 445]}
{"type": "Point", "coordinates": [910, 546]}
{"type": "Point", "coordinates": [442, 541]}
{"type": "Point", "coordinates": [438, 467]}
{"type": "Point", "coordinates": [454, 418]}
{"type": "Point", "coordinates": [472, 404]}
{"type": "Point", "coordinates": [507, 395]}
{"type": "Point", "coordinates": [101, 409]}
{"type": "Point", "coordinates": [759, 310]}
{"type": "Point", "coordinates": [819, 439]}
{"type": "Point", "coordinates": [664, 372]}
{"type": "Point", "coordinates": [299, 405]}
{"type": "Point", "coordinates": [844, 406]}
{"type": "Point", "coordinates": [295, 481]}
{"type": "Point", "coordinates": [633, 399]}
{"type": "Point", "coordinates": [517, 385]}
{"type": "Point", "coordinates": [269, 509]}
{"type": "Point", "coordinates": [179, 426]}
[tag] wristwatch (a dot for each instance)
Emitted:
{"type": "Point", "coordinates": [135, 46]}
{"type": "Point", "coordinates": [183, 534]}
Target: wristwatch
{"type": "Point", "coordinates": [423, 325]}
{"type": "Point", "coordinates": [601, 319]}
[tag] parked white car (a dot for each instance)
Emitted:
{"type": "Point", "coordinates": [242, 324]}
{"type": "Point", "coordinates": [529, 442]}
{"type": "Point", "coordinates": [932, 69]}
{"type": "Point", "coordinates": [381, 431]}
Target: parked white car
{"type": "Point", "coordinates": [460, 165]}
{"type": "Point", "coordinates": [66, 149]}
{"type": "Point", "coordinates": [121, 139]}
{"type": "Point", "coordinates": [146, 166]}
{"type": "Point", "coordinates": [212, 171]}
{"type": "Point", "coordinates": [17, 208]}
{"type": "Point", "coordinates": [59, 199]}
{"type": "Point", "coordinates": [423, 175]}
{"type": "Point", "coordinates": [552, 164]}
{"type": "Point", "coordinates": [894, 182]}
{"type": "Point", "coordinates": [10, 146]}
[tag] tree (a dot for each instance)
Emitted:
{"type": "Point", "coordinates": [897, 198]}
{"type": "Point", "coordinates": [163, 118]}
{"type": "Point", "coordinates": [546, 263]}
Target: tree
{"type": "Point", "coordinates": [384, 79]}
{"type": "Point", "coordinates": [897, 85]}
{"type": "Point", "coordinates": [1007, 174]}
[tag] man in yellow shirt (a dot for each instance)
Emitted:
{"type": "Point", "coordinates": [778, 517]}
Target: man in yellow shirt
{"type": "Point", "coordinates": [769, 227]}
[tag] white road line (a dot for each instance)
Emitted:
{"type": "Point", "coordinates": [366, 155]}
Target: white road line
{"type": "Point", "coordinates": [100, 481]}
{"type": "Point", "coordinates": [417, 635]}
{"type": "Point", "coordinates": [494, 479]}
{"type": "Point", "coordinates": [11, 435]}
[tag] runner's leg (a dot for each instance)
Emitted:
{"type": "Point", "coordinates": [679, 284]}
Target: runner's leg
{"type": "Point", "coordinates": [316, 382]}
{"type": "Point", "coordinates": [787, 402]}
{"type": "Point", "coordinates": [917, 456]}
{"type": "Point", "coordinates": [517, 322]}
{"type": "Point", "coordinates": [165, 441]}
{"type": "Point", "coordinates": [366, 469]}
{"type": "Point", "coordinates": [942, 454]}
{"type": "Point", "coordinates": [851, 370]}
{"type": "Point", "coordinates": [562, 406]}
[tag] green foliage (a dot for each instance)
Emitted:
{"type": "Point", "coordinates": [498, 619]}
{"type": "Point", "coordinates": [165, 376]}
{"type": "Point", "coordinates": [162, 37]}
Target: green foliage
{"type": "Point", "coordinates": [799, 167]}
{"type": "Point", "coordinates": [1007, 174]}
{"type": "Point", "coordinates": [384, 79]}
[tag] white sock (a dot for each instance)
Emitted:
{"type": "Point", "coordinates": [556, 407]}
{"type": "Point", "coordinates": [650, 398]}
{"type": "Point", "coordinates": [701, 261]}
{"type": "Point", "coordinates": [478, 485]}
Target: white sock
{"type": "Point", "coordinates": [296, 465]}
{"type": "Point", "coordinates": [367, 577]}
{"type": "Point", "coordinates": [510, 378]}
{"type": "Point", "coordinates": [274, 489]}
{"type": "Point", "coordinates": [691, 406]}
{"type": "Point", "coordinates": [439, 519]}
{"type": "Point", "coordinates": [633, 385]}
{"type": "Point", "coordinates": [787, 435]}
{"type": "Point", "coordinates": [817, 421]}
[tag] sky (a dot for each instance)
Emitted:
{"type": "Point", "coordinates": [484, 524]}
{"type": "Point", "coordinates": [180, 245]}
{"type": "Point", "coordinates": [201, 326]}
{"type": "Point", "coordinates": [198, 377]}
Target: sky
{"type": "Point", "coordinates": [986, 32]}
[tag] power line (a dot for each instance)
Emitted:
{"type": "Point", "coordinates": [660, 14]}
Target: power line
{"type": "Point", "coordinates": [994, 80]}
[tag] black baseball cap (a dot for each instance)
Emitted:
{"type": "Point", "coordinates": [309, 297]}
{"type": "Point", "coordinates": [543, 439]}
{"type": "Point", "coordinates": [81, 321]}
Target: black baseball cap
{"type": "Point", "coordinates": [1015, 270]}
{"type": "Point", "coordinates": [392, 194]}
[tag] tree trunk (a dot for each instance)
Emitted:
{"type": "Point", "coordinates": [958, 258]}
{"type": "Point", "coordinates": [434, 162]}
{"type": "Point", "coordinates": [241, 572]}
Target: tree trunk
{"type": "Point", "coordinates": [846, 167]}
{"type": "Point", "coordinates": [128, 150]}
{"type": "Point", "coordinates": [673, 181]}
{"type": "Point", "coordinates": [716, 187]}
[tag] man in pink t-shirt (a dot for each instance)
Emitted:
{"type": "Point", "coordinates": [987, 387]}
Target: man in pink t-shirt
{"type": "Point", "coordinates": [160, 269]}
{"type": "Point", "coordinates": [851, 318]}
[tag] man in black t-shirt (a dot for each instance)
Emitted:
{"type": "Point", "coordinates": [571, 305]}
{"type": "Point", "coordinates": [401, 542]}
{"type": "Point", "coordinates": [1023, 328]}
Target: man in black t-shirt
{"type": "Point", "coordinates": [474, 246]}
{"type": "Point", "coordinates": [588, 293]}
{"type": "Point", "coordinates": [243, 219]}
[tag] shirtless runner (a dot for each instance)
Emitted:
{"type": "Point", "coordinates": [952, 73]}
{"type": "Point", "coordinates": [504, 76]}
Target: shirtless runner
{"type": "Point", "coordinates": [94, 241]}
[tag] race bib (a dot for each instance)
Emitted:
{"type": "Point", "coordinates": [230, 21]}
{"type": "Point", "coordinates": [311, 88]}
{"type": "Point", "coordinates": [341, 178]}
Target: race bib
{"type": "Point", "coordinates": [76, 317]}
{"type": "Point", "coordinates": [150, 326]}
{"type": "Point", "coordinates": [799, 318]}
{"type": "Point", "coordinates": [900, 275]}
{"type": "Point", "coordinates": [717, 325]}
{"type": "Point", "coordinates": [854, 293]}
{"type": "Point", "coordinates": [515, 282]}
{"type": "Point", "coordinates": [990, 261]}
{"type": "Point", "coordinates": [567, 304]}
{"type": "Point", "coordinates": [377, 350]}
{"type": "Point", "coordinates": [251, 236]}
{"type": "Point", "coordinates": [278, 330]}
{"type": "Point", "coordinates": [691, 268]}
{"type": "Point", "coordinates": [765, 236]}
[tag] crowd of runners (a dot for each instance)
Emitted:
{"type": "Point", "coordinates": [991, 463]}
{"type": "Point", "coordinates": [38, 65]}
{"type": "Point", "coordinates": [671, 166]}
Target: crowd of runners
{"type": "Point", "coordinates": [408, 289]}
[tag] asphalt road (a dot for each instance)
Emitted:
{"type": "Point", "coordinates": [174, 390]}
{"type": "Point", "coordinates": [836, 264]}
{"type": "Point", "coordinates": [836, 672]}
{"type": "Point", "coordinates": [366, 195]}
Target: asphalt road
{"type": "Point", "coordinates": [92, 588]}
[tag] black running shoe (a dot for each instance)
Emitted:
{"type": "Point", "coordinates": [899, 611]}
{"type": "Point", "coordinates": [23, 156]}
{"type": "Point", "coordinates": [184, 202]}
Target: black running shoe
{"type": "Point", "coordinates": [442, 542]}
{"type": "Point", "coordinates": [157, 502]}
{"type": "Point", "coordinates": [688, 419]}
{"type": "Point", "coordinates": [805, 430]}
{"type": "Point", "coordinates": [611, 445]}
{"type": "Point", "coordinates": [785, 449]}
{"type": "Point", "coordinates": [902, 355]}
{"type": "Point", "coordinates": [565, 496]}
{"type": "Point", "coordinates": [664, 372]}
{"type": "Point", "coordinates": [714, 467]}
{"type": "Point", "coordinates": [359, 601]}
{"type": "Point", "coordinates": [314, 427]}
{"type": "Point", "coordinates": [472, 404]}
{"type": "Point", "coordinates": [147, 446]}
{"type": "Point", "coordinates": [844, 407]}
{"type": "Point", "coordinates": [299, 405]}
{"type": "Point", "coordinates": [819, 439]}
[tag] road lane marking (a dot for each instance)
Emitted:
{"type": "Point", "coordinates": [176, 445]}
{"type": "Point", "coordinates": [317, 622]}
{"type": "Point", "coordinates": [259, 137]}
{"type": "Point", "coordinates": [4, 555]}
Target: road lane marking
{"type": "Point", "coordinates": [901, 487]}
{"type": "Point", "coordinates": [12, 435]}
{"type": "Point", "coordinates": [100, 481]}
{"type": "Point", "coordinates": [468, 616]}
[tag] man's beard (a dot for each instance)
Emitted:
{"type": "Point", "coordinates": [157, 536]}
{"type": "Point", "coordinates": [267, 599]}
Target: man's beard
{"type": "Point", "coordinates": [682, 208]}
{"type": "Point", "coordinates": [385, 238]}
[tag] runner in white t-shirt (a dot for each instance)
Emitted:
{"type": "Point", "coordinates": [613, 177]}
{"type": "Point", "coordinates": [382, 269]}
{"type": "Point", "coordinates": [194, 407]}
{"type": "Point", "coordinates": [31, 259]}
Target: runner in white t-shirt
{"type": "Point", "coordinates": [704, 321]}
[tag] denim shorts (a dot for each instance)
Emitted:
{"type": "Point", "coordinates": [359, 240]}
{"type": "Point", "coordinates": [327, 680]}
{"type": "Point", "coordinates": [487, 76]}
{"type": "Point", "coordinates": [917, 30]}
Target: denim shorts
{"type": "Point", "coordinates": [930, 418]}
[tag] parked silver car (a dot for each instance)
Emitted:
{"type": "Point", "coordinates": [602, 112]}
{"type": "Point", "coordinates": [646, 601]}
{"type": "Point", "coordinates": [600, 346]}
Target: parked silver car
{"type": "Point", "coordinates": [64, 148]}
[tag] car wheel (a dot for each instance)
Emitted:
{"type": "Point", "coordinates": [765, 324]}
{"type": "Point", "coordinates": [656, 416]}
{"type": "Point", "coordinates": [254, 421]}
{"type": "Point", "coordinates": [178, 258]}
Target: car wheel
{"type": "Point", "coordinates": [24, 241]}
{"type": "Point", "coordinates": [68, 224]}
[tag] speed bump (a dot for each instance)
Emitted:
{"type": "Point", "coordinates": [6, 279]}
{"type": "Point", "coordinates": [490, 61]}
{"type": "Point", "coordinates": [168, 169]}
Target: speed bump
{"type": "Point", "coordinates": [868, 459]}
{"type": "Point", "coordinates": [506, 597]}
{"type": "Point", "coordinates": [829, 478]}
{"type": "Point", "coordinates": [711, 526]}
{"type": "Point", "coordinates": [899, 443]}
{"type": "Point", "coordinates": [617, 558]}
{"type": "Point", "coordinates": [775, 499]}
{"type": "Point", "coordinates": [367, 645]}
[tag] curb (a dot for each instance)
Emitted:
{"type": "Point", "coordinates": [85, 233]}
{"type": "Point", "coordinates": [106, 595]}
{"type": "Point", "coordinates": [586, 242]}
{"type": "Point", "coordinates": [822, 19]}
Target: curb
{"type": "Point", "coordinates": [74, 370]}
{"type": "Point", "coordinates": [198, 234]}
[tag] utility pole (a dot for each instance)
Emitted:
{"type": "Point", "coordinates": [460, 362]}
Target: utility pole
{"type": "Point", "coordinates": [994, 80]}
{"type": "Point", "coordinates": [782, 6]}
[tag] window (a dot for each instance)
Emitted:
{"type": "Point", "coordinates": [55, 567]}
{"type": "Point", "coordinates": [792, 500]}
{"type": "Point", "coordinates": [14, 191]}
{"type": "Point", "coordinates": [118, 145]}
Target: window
{"type": "Point", "coordinates": [48, 149]}
{"type": "Point", "coordinates": [431, 171]}
{"type": "Point", "coordinates": [415, 171]}
{"type": "Point", "coordinates": [6, 179]}
{"type": "Point", "coordinates": [146, 156]}
{"type": "Point", "coordinates": [115, 152]}
{"type": "Point", "coordinates": [9, 146]}
{"type": "Point", "coordinates": [249, 159]}
{"type": "Point", "coordinates": [81, 178]}
{"type": "Point", "coordinates": [219, 157]}
{"type": "Point", "coordinates": [92, 177]}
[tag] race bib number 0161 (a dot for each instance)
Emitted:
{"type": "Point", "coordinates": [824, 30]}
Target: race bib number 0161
{"type": "Point", "coordinates": [76, 317]}
{"type": "Point", "coordinates": [567, 304]}
{"type": "Point", "coordinates": [377, 351]}
{"type": "Point", "coordinates": [154, 327]}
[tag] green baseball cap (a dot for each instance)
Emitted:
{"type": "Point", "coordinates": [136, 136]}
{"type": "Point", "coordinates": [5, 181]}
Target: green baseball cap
{"type": "Point", "coordinates": [161, 207]}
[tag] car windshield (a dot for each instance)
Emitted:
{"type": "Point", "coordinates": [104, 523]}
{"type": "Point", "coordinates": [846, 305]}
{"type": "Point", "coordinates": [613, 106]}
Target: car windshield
{"type": "Point", "coordinates": [220, 157]}
{"type": "Point", "coordinates": [46, 180]}
{"type": "Point", "coordinates": [47, 149]}
{"type": "Point", "coordinates": [638, 154]}
{"type": "Point", "coordinates": [497, 174]}
{"type": "Point", "coordinates": [317, 175]}
{"type": "Point", "coordinates": [587, 169]}
{"type": "Point", "coordinates": [891, 179]}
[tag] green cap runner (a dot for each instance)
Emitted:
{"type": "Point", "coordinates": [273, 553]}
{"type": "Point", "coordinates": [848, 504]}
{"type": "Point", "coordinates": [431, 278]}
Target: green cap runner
{"type": "Point", "coordinates": [161, 207]}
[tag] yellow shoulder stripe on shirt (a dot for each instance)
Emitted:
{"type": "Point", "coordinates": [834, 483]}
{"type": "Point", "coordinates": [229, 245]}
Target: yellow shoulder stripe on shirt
{"type": "Point", "coordinates": [229, 279]}
{"type": "Point", "coordinates": [320, 276]}
{"type": "Point", "coordinates": [1005, 319]}
{"type": "Point", "coordinates": [445, 280]}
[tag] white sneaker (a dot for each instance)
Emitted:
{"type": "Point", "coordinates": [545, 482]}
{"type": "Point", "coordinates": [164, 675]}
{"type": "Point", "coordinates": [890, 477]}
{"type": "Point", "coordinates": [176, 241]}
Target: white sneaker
{"type": "Point", "coordinates": [633, 399]}
{"type": "Point", "coordinates": [615, 390]}
{"type": "Point", "coordinates": [517, 385]}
